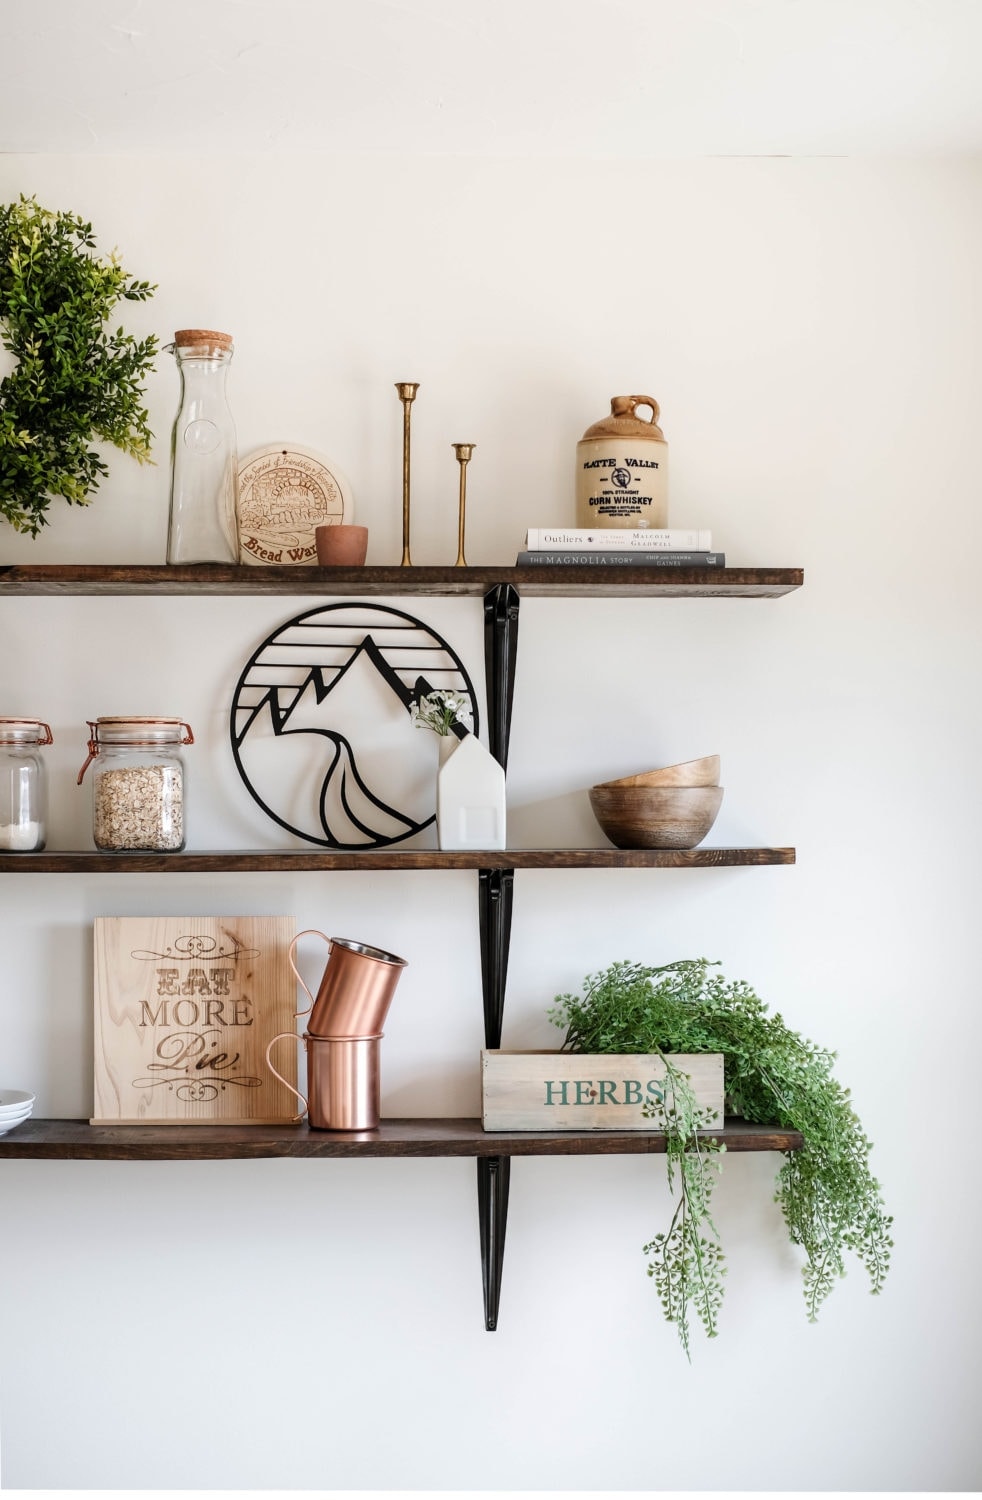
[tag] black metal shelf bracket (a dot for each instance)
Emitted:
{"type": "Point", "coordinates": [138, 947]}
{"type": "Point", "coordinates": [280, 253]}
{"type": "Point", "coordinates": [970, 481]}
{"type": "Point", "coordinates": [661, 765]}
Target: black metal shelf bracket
{"type": "Point", "coordinates": [495, 890]}
{"type": "Point", "coordinates": [493, 1175]}
{"type": "Point", "coordinates": [495, 894]}
{"type": "Point", "coordinates": [500, 654]}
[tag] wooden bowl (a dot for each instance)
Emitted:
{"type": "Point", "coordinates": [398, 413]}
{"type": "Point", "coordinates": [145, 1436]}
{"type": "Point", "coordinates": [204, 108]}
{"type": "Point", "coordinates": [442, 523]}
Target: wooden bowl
{"type": "Point", "coordinates": [656, 817]}
{"type": "Point", "coordinates": [703, 772]}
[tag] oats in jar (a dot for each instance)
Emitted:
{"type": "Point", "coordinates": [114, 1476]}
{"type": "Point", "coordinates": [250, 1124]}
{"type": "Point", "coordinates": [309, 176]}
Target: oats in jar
{"type": "Point", "coordinates": [139, 807]}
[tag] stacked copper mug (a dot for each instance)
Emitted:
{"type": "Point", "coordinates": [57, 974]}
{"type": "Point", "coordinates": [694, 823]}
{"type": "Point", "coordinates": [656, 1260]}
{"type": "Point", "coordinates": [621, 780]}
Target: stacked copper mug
{"type": "Point", "coordinates": [344, 1033]}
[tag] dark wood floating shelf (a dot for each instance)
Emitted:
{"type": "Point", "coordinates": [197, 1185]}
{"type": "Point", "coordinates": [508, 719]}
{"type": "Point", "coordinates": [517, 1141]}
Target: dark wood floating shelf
{"type": "Point", "coordinates": [587, 580]}
{"type": "Point", "coordinates": [76, 1139]}
{"type": "Point", "coordinates": [56, 862]}
{"type": "Point", "coordinates": [501, 590]}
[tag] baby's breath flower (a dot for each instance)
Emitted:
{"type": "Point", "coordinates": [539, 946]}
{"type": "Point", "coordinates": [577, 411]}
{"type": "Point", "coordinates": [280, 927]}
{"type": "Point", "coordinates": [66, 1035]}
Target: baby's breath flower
{"type": "Point", "coordinates": [440, 710]}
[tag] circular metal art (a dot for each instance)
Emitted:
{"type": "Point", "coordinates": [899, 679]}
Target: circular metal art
{"type": "Point", "coordinates": [321, 730]}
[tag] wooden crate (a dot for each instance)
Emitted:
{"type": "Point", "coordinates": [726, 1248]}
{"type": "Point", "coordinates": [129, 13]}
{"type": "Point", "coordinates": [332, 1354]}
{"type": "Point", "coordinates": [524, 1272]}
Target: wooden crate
{"type": "Point", "coordinates": [184, 1009]}
{"type": "Point", "coordinates": [586, 1091]}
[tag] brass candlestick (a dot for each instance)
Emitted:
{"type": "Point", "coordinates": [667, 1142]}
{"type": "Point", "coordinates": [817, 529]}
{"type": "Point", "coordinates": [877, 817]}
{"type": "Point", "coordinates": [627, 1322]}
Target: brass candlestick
{"type": "Point", "coordinates": [463, 452]}
{"type": "Point", "coordinates": [407, 394]}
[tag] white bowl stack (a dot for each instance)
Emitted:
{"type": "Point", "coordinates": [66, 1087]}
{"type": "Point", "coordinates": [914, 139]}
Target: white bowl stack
{"type": "Point", "coordinates": [15, 1108]}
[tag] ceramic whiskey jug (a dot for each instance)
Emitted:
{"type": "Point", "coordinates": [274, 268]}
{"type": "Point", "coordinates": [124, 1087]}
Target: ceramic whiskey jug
{"type": "Point", "coordinates": [622, 469]}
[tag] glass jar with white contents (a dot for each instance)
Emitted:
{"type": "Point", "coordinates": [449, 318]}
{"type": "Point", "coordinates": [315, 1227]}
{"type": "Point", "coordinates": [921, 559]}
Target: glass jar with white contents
{"type": "Point", "coordinates": [138, 782]}
{"type": "Point", "coordinates": [23, 784]}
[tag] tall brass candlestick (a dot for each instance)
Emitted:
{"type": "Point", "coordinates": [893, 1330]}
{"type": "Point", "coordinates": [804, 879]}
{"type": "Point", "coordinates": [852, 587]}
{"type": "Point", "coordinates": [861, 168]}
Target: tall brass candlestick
{"type": "Point", "coordinates": [463, 452]}
{"type": "Point", "coordinates": [407, 394]}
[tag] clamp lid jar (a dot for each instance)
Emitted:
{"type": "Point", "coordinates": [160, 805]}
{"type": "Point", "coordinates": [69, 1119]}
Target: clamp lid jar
{"type": "Point", "coordinates": [138, 782]}
{"type": "Point", "coordinates": [23, 784]}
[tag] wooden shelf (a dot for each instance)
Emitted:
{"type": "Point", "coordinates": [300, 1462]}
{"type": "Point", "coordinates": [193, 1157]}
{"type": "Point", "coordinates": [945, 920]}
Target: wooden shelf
{"type": "Point", "coordinates": [501, 590]}
{"type": "Point", "coordinates": [630, 581]}
{"type": "Point", "coordinates": [76, 1139]}
{"type": "Point", "coordinates": [214, 861]}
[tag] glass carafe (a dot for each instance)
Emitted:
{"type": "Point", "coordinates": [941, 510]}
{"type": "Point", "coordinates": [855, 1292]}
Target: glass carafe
{"type": "Point", "coordinates": [204, 459]}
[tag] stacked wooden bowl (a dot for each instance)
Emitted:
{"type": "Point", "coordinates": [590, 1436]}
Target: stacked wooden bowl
{"type": "Point", "coordinates": [672, 807]}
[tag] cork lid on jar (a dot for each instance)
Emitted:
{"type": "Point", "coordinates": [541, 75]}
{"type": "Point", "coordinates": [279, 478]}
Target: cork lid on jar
{"type": "Point", "coordinates": [139, 727]}
{"type": "Point", "coordinates": [186, 338]}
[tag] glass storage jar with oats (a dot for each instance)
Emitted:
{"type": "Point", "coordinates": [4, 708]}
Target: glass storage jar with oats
{"type": "Point", "coordinates": [137, 782]}
{"type": "Point", "coordinates": [23, 786]}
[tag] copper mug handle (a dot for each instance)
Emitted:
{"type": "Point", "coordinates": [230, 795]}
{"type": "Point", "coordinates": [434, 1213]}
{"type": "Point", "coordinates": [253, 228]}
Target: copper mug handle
{"type": "Point", "coordinates": [307, 932]}
{"type": "Point", "coordinates": [278, 1038]}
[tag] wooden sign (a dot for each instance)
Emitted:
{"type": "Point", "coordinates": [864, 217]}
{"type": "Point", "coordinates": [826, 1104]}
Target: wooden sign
{"type": "Point", "coordinates": [284, 495]}
{"type": "Point", "coordinates": [184, 1010]}
{"type": "Point", "coordinates": [582, 1091]}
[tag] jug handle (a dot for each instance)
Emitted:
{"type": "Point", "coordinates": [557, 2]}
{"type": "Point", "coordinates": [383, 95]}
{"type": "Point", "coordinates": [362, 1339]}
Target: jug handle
{"type": "Point", "coordinates": [307, 932]}
{"type": "Point", "coordinates": [278, 1038]}
{"type": "Point", "coordinates": [627, 406]}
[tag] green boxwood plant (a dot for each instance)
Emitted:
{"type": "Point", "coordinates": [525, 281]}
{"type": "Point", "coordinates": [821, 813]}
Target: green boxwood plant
{"type": "Point", "coordinates": [830, 1201]}
{"type": "Point", "coordinates": [75, 383]}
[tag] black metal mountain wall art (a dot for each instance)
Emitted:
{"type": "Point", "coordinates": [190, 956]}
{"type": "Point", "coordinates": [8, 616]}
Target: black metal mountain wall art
{"type": "Point", "coordinates": [320, 724]}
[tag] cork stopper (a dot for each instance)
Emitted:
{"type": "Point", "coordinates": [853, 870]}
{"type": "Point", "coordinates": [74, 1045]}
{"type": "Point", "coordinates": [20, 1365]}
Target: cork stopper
{"type": "Point", "coordinates": [187, 336]}
{"type": "Point", "coordinates": [138, 722]}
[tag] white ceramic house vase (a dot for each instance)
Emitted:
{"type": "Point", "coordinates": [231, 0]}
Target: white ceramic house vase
{"type": "Point", "coordinates": [470, 795]}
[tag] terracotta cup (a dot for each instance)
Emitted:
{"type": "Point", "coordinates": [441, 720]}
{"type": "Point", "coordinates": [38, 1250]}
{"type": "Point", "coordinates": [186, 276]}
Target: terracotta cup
{"type": "Point", "coordinates": [341, 546]}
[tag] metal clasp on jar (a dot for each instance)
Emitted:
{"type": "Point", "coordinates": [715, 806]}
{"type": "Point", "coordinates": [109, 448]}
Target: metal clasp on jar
{"type": "Point", "coordinates": [133, 733]}
{"type": "Point", "coordinates": [33, 732]}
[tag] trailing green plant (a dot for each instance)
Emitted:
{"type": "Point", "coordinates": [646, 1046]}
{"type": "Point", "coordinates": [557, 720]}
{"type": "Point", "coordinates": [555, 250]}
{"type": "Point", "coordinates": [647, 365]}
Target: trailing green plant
{"type": "Point", "coordinates": [74, 383]}
{"type": "Point", "coordinates": [687, 1261]}
{"type": "Point", "coordinates": [830, 1201]}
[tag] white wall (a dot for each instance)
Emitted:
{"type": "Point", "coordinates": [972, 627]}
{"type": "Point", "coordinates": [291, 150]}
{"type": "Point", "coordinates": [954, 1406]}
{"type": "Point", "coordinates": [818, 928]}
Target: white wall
{"type": "Point", "coordinates": [811, 329]}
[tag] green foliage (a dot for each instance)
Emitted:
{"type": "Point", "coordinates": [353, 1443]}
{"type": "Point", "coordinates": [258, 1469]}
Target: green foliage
{"type": "Point", "coordinates": [687, 1262]}
{"type": "Point", "coordinates": [75, 383]}
{"type": "Point", "coordinates": [830, 1201]}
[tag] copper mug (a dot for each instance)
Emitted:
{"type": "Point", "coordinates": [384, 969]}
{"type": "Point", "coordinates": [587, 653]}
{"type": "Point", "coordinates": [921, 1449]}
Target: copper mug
{"type": "Point", "coordinates": [343, 1081]}
{"type": "Point", "coordinates": [355, 991]}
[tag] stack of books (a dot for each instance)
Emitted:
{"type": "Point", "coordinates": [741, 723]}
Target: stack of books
{"type": "Point", "coordinates": [559, 547]}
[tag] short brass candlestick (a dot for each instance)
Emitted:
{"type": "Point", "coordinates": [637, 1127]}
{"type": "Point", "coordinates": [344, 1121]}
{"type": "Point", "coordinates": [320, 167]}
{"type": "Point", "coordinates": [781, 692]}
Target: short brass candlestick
{"type": "Point", "coordinates": [407, 394]}
{"type": "Point", "coordinates": [463, 452]}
